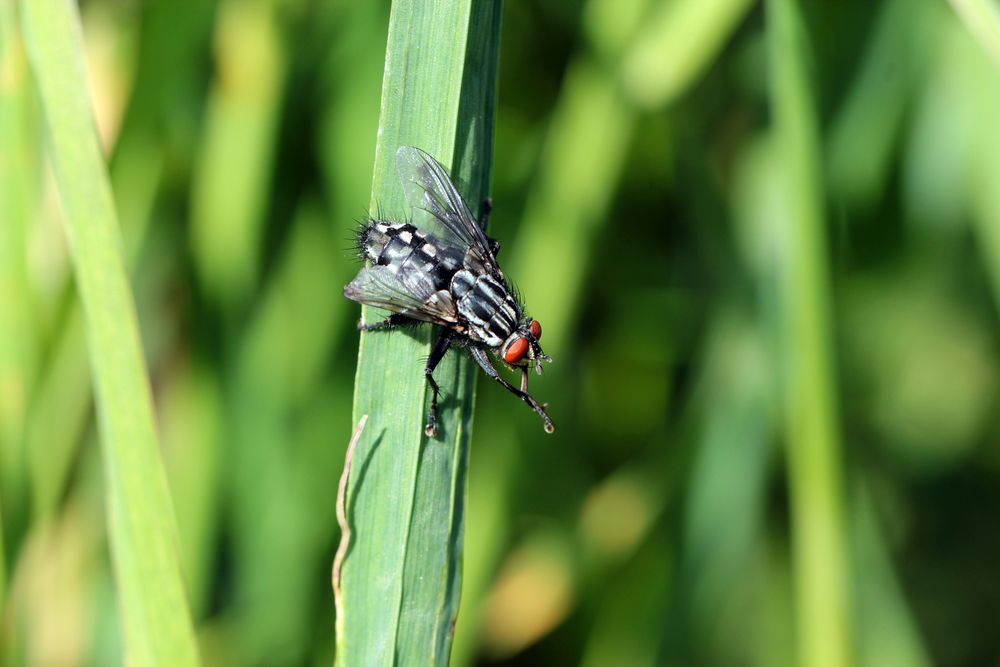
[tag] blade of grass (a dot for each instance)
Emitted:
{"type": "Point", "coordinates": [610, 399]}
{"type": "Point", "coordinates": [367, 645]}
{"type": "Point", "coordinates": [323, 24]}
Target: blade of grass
{"type": "Point", "coordinates": [673, 50]}
{"type": "Point", "coordinates": [726, 496]}
{"type": "Point", "coordinates": [568, 206]}
{"type": "Point", "coordinates": [757, 200]}
{"type": "Point", "coordinates": [229, 193]}
{"type": "Point", "coordinates": [866, 130]}
{"type": "Point", "coordinates": [19, 346]}
{"type": "Point", "coordinates": [157, 121]}
{"type": "Point", "coordinates": [156, 620]}
{"type": "Point", "coordinates": [58, 415]}
{"type": "Point", "coordinates": [406, 494]}
{"type": "Point", "coordinates": [278, 372]}
{"type": "Point", "coordinates": [982, 18]}
{"type": "Point", "coordinates": [577, 179]}
{"type": "Point", "coordinates": [983, 95]}
{"type": "Point", "coordinates": [488, 531]}
{"type": "Point", "coordinates": [628, 621]}
{"type": "Point", "coordinates": [803, 330]}
{"type": "Point", "coordinates": [191, 416]}
{"type": "Point", "coordinates": [888, 632]}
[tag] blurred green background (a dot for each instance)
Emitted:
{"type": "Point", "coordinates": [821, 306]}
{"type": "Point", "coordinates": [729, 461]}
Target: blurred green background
{"type": "Point", "coordinates": [772, 309]}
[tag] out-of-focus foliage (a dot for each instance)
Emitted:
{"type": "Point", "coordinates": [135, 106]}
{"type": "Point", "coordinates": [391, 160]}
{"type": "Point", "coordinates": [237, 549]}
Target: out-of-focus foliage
{"type": "Point", "coordinates": [155, 617]}
{"type": "Point", "coordinates": [652, 158]}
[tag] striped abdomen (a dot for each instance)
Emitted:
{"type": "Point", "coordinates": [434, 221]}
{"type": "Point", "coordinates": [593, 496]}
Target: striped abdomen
{"type": "Point", "coordinates": [405, 248]}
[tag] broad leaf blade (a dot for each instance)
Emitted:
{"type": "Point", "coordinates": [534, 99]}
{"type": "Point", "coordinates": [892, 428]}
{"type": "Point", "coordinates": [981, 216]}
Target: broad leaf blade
{"type": "Point", "coordinates": [406, 494]}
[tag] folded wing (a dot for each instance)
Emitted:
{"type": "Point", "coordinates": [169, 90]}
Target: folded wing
{"type": "Point", "coordinates": [409, 293]}
{"type": "Point", "coordinates": [428, 187]}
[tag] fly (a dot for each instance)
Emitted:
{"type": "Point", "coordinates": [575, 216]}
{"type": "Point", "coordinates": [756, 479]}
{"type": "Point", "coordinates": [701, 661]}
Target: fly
{"type": "Point", "coordinates": [446, 273]}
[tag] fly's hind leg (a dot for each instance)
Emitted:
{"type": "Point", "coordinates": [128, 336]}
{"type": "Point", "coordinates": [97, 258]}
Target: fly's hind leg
{"type": "Point", "coordinates": [484, 220]}
{"type": "Point", "coordinates": [437, 354]}
{"type": "Point", "coordinates": [484, 362]}
{"type": "Point", "coordinates": [487, 208]}
{"type": "Point", "coordinates": [392, 322]}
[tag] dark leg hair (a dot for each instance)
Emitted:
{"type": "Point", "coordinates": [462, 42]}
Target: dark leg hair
{"type": "Point", "coordinates": [393, 321]}
{"type": "Point", "coordinates": [483, 360]}
{"type": "Point", "coordinates": [437, 354]}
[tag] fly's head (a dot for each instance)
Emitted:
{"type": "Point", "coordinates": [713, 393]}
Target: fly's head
{"type": "Point", "coordinates": [522, 349]}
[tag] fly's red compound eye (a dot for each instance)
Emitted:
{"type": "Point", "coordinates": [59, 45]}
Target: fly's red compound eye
{"type": "Point", "coordinates": [536, 329]}
{"type": "Point", "coordinates": [516, 351]}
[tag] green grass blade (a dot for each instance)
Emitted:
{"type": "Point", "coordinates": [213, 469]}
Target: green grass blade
{"type": "Point", "coordinates": [866, 131]}
{"type": "Point", "coordinates": [982, 18]}
{"type": "Point", "coordinates": [676, 46]}
{"type": "Point", "coordinates": [406, 494]}
{"type": "Point", "coordinates": [20, 349]}
{"type": "Point", "coordinates": [191, 423]}
{"type": "Point", "coordinates": [887, 633]}
{"type": "Point", "coordinates": [275, 478]}
{"type": "Point", "coordinates": [164, 85]}
{"type": "Point", "coordinates": [803, 296]}
{"type": "Point", "coordinates": [230, 189]}
{"type": "Point", "coordinates": [156, 620]}
{"type": "Point", "coordinates": [576, 181]}
{"type": "Point", "coordinates": [726, 498]}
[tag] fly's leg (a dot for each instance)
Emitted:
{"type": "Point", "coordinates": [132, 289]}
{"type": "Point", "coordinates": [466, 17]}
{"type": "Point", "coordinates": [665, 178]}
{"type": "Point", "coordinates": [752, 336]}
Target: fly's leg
{"type": "Point", "coordinates": [484, 220]}
{"type": "Point", "coordinates": [485, 217]}
{"type": "Point", "coordinates": [437, 354]}
{"type": "Point", "coordinates": [397, 320]}
{"type": "Point", "coordinates": [393, 321]}
{"type": "Point", "coordinates": [484, 362]}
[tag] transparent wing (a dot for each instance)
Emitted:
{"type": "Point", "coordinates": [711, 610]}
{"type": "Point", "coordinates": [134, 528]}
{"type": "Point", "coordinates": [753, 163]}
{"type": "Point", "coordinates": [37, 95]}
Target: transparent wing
{"type": "Point", "coordinates": [411, 294]}
{"type": "Point", "coordinates": [428, 187]}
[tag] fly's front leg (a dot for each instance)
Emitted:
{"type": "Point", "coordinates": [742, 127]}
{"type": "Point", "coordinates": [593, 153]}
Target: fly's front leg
{"type": "Point", "coordinates": [437, 354]}
{"type": "Point", "coordinates": [483, 360]}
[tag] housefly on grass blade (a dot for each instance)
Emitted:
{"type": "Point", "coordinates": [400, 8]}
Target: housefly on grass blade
{"type": "Point", "coordinates": [445, 272]}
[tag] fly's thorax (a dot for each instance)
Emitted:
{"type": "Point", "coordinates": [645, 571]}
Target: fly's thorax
{"type": "Point", "coordinates": [488, 309]}
{"type": "Point", "coordinates": [473, 261]}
